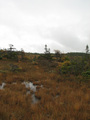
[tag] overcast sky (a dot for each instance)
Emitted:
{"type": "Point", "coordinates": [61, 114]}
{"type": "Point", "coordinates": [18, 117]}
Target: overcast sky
{"type": "Point", "coordinates": [30, 24]}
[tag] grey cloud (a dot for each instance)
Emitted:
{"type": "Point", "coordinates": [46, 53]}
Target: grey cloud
{"type": "Point", "coordinates": [63, 24]}
{"type": "Point", "coordinates": [66, 38]}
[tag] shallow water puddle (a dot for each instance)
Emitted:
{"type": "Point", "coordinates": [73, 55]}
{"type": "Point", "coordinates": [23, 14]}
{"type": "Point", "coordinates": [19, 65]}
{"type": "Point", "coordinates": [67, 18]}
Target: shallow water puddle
{"type": "Point", "coordinates": [2, 86]}
{"type": "Point", "coordinates": [34, 99]}
{"type": "Point", "coordinates": [33, 88]}
{"type": "Point", "coordinates": [30, 85]}
{"type": "Point", "coordinates": [27, 85]}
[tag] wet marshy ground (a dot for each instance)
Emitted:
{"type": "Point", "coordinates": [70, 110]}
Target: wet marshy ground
{"type": "Point", "coordinates": [35, 94]}
{"type": "Point", "coordinates": [2, 85]}
{"type": "Point", "coordinates": [31, 89]}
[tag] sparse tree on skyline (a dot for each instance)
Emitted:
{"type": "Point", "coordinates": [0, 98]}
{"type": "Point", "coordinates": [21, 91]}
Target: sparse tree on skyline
{"type": "Point", "coordinates": [87, 49]}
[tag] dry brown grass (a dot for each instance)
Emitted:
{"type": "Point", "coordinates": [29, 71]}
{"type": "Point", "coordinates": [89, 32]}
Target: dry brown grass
{"type": "Point", "coordinates": [60, 98]}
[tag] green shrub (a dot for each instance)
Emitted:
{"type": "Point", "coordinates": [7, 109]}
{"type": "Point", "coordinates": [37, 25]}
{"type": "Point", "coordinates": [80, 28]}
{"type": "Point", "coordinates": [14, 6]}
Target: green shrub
{"type": "Point", "coordinates": [45, 56]}
{"type": "Point", "coordinates": [65, 68]}
{"type": "Point", "coordinates": [86, 74]}
{"type": "Point", "coordinates": [1, 58]}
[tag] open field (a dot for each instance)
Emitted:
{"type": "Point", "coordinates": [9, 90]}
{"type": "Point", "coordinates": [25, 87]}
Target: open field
{"type": "Point", "coordinates": [41, 89]}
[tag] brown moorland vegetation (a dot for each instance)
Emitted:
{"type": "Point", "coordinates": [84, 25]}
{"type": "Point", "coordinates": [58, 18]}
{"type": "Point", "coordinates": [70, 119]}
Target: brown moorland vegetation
{"type": "Point", "coordinates": [62, 93]}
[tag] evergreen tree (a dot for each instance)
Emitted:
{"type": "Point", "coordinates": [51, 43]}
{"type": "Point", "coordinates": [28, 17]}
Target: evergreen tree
{"type": "Point", "coordinates": [87, 49]}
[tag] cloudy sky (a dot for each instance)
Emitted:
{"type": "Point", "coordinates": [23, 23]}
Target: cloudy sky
{"type": "Point", "coordinates": [30, 24]}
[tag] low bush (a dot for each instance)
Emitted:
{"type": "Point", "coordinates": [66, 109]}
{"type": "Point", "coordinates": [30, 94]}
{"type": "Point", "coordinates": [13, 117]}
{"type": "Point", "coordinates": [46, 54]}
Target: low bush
{"type": "Point", "coordinates": [86, 74]}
